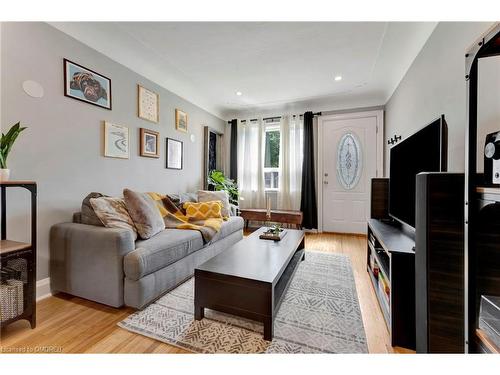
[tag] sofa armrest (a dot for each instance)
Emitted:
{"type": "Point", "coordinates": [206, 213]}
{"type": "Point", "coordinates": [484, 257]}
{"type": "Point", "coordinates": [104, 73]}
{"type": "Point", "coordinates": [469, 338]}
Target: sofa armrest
{"type": "Point", "coordinates": [87, 261]}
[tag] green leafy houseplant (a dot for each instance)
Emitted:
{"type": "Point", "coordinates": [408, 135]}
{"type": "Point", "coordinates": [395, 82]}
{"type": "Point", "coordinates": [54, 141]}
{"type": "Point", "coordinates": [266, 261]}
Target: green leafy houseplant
{"type": "Point", "coordinates": [222, 183]}
{"type": "Point", "coordinates": [6, 143]}
{"type": "Point", "coordinates": [275, 229]}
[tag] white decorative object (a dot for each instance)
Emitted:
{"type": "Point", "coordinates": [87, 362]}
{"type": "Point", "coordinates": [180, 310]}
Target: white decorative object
{"type": "Point", "coordinates": [4, 174]}
{"type": "Point", "coordinates": [33, 89]}
{"type": "Point", "coordinates": [116, 141]}
{"type": "Point", "coordinates": [349, 161]}
{"type": "Point", "coordinates": [149, 103]}
{"type": "Point", "coordinates": [192, 137]}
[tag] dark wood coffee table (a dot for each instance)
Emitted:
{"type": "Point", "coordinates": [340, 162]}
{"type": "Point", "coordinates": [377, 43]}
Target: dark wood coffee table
{"type": "Point", "coordinates": [250, 278]}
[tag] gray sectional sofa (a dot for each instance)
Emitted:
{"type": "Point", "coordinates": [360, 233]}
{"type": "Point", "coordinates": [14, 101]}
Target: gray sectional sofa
{"type": "Point", "coordinates": [107, 266]}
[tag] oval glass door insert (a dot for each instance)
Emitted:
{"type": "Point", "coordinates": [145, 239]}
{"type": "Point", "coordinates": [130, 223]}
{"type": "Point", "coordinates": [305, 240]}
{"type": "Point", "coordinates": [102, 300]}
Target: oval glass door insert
{"type": "Point", "coordinates": [349, 161]}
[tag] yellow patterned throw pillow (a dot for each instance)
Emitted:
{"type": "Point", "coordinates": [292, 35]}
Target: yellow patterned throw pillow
{"type": "Point", "coordinates": [203, 210]}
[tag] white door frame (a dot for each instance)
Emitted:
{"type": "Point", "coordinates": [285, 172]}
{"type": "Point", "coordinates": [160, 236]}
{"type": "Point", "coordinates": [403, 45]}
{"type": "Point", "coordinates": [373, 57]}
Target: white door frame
{"type": "Point", "coordinates": [379, 114]}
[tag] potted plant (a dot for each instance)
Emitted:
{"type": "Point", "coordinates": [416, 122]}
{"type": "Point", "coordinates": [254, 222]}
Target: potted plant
{"type": "Point", "coordinates": [6, 143]}
{"type": "Point", "coordinates": [222, 183]}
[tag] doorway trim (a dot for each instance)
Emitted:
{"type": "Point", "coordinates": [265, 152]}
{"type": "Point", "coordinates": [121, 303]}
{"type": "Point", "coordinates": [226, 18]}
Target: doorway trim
{"type": "Point", "coordinates": [379, 147]}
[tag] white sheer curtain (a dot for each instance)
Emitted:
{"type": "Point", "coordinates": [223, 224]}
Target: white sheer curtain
{"type": "Point", "coordinates": [250, 164]}
{"type": "Point", "coordinates": [291, 155]}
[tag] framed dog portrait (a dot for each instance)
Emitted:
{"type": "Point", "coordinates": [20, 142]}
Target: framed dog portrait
{"type": "Point", "coordinates": [174, 154]}
{"type": "Point", "coordinates": [150, 143]}
{"type": "Point", "coordinates": [86, 85]}
{"type": "Point", "coordinates": [181, 120]}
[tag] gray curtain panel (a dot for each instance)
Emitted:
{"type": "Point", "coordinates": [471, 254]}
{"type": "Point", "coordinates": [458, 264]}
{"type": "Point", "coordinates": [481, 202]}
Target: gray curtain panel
{"type": "Point", "coordinates": [308, 204]}
{"type": "Point", "coordinates": [233, 164]}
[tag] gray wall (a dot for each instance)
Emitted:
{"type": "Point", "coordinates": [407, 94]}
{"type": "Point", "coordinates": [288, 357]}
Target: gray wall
{"type": "Point", "coordinates": [61, 149]}
{"type": "Point", "coordinates": [435, 84]}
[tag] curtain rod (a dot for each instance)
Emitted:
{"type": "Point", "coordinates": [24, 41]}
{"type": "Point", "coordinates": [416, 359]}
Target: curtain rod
{"type": "Point", "coordinates": [271, 118]}
{"type": "Point", "coordinates": [276, 117]}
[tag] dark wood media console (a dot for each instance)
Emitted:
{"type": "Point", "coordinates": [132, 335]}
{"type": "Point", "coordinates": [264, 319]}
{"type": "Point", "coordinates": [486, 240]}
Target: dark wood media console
{"type": "Point", "coordinates": [390, 262]}
{"type": "Point", "coordinates": [391, 266]}
{"type": "Point", "coordinates": [418, 274]}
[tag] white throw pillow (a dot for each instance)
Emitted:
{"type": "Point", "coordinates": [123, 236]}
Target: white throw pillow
{"type": "Point", "coordinates": [209, 196]}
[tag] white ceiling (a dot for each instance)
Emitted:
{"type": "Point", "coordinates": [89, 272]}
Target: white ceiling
{"type": "Point", "coordinates": [273, 64]}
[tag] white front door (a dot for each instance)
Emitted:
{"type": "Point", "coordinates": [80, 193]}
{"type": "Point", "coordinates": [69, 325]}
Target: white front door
{"type": "Point", "coordinates": [350, 155]}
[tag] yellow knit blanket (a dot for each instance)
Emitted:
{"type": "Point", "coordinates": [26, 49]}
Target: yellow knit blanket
{"type": "Point", "coordinates": [175, 218]}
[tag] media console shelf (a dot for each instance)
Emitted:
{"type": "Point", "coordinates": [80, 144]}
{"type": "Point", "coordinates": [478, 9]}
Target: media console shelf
{"type": "Point", "coordinates": [391, 266]}
{"type": "Point", "coordinates": [482, 209]}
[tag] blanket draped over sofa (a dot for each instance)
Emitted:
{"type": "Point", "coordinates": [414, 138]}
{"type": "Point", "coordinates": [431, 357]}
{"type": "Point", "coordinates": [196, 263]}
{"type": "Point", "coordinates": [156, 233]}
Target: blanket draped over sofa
{"type": "Point", "coordinates": [175, 218]}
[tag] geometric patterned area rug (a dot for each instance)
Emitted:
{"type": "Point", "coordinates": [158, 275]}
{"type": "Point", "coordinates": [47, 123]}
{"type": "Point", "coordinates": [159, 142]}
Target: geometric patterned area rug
{"type": "Point", "coordinates": [319, 314]}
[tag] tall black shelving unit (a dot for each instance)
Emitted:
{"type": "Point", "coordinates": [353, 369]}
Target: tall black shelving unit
{"type": "Point", "coordinates": [482, 205]}
{"type": "Point", "coordinates": [18, 260]}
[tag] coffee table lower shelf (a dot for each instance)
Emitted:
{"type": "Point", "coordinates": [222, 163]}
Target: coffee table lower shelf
{"type": "Point", "coordinates": [252, 299]}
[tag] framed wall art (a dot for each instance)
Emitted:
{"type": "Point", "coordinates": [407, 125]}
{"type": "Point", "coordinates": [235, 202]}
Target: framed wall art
{"type": "Point", "coordinates": [174, 154]}
{"type": "Point", "coordinates": [149, 143]}
{"type": "Point", "coordinates": [116, 141]}
{"type": "Point", "coordinates": [83, 84]}
{"type": "Point", "coordinates": [148, 104]}
{"type": "Point", "coordinates": [181, 120]}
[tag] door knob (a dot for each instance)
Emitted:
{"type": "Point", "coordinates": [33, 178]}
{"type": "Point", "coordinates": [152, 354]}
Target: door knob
{"type": "Point", "coordinates": [325, 182]}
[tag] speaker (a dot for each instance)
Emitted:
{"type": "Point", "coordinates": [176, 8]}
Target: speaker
{"type": "Point", "coordinates": [380, 199]}
{"type": "Point", "coordinates": [439, 263]}
{"type": "Point", "coordinates": [492, 158]}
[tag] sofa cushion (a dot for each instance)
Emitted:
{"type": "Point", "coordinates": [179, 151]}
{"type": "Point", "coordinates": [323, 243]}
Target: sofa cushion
{"type": "Point", "coordinates": [169, 246]}
{"type": "Point", "coordinates": [88, 215]}
{"type": "Point", "coordinates": [113, 213]}
{"type": "Point", "coordinates": [144, 212]}
{"type": "Point", "coordinates": [159, 251]}
{"type": "Point", "coordinates": [203, 210]}
{"type": "Point", "coordinates": [209, 196]}
{"type": "Point", "coordinates": [231, 225]}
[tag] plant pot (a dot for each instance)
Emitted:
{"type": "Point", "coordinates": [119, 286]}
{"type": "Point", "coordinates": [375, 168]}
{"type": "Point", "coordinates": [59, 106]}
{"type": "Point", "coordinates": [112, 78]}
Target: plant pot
{"type": "Point", "coordinates": [4, 174]}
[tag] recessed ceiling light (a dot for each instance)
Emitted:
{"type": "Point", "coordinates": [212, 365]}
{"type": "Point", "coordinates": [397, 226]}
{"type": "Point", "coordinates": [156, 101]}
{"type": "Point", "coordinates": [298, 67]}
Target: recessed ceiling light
{"type": "Point", "coordinates": [239, 93]}
{"type": "Point", "coordinates": [338, 78]}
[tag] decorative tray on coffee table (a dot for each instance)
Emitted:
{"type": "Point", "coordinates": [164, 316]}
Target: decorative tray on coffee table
{"type": "Point", "coordinates": [270, 234]}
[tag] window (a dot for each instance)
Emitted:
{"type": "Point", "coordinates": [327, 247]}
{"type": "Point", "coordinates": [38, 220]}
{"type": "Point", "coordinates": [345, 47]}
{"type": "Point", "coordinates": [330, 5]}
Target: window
{"type": "Point", "coordinates": [272, 156]}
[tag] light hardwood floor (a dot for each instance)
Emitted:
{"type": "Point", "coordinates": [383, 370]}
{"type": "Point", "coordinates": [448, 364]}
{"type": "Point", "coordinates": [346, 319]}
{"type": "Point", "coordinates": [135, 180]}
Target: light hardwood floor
{"type": "Point", "coordinates": [73, 325]}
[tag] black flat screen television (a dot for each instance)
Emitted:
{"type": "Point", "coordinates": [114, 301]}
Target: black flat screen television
{"type": "Point", "coordinates": [424, 151]}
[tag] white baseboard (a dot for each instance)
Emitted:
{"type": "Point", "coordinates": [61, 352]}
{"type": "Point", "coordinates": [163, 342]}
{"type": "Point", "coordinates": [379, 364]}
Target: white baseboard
{"type": "Point", "coordinates": [312, 231]}
{"type": "Point", "coordinates": [43, 289]}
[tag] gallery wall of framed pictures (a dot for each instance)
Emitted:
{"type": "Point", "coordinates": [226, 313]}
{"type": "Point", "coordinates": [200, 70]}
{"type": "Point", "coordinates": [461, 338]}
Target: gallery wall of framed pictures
{"type": "Point", "coordinates": [88, 86]}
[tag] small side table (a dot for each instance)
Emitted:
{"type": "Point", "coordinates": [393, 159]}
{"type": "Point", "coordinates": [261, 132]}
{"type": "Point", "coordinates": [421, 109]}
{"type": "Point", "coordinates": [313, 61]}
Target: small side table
{"type": "Point", "coordinates": [18, 261]}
